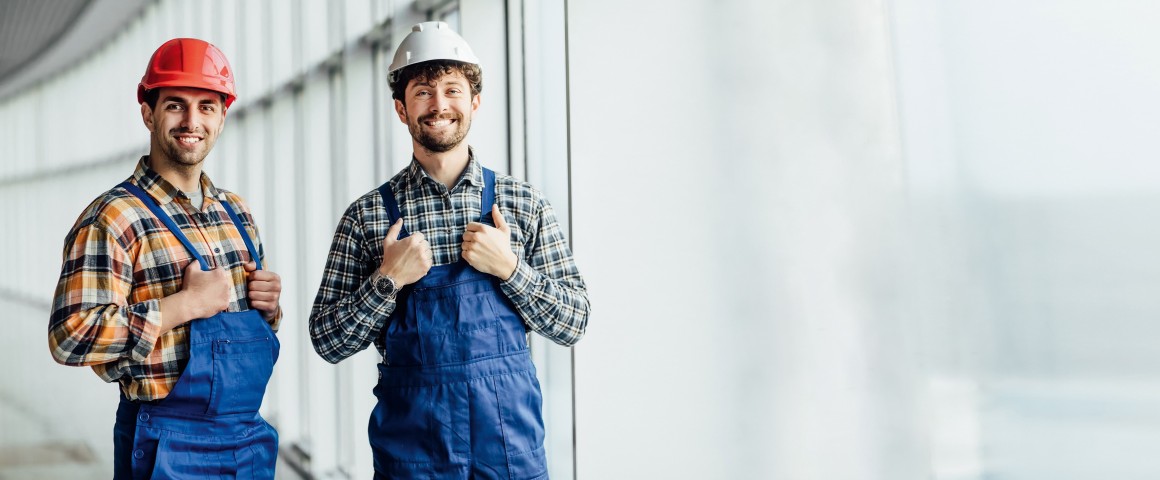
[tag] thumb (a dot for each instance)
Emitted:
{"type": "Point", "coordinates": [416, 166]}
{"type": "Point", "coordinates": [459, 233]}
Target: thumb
{"type": "Point", "coordinates": [193, 266]}
{"type": "Point", "coordinates": [251, 266]}
{"type": "Point", "coordinates": [393, 232]}
{"type": "Point", "coordinates": [196, 265]}
{"type": "Point", "coordinates": [497, 217]}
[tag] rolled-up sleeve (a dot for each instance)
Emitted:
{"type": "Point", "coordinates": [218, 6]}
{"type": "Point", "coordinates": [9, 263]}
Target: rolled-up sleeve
{"type": "Point", "coordinates": [92, 322]}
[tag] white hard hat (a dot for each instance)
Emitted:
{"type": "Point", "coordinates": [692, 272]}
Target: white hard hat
{"type": "Point", "coordinates": [431, 41]}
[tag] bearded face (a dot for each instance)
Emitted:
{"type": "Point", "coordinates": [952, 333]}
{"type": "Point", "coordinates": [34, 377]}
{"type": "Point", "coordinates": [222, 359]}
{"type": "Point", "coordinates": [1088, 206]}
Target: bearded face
{"type": "Point", "coordinates": [438, 112]}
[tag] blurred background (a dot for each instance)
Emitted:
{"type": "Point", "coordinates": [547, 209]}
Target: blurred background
{"type": "Point", "coordinates": [835, 239]}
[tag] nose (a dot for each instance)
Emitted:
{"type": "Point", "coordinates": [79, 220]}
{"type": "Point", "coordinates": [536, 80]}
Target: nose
{"type": "Point", "coordinates": [188, 119]}
{"type": "Point", "coordinates": [439, 103]}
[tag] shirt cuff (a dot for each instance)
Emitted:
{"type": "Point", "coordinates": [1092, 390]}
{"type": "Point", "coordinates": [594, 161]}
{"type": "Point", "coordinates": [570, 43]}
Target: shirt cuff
{"type": "Point", "coordinates": [520, 284]}
{"type": "Point", "coordinates": [145, 323]}
{"type": "Point", "coordinates": [277, 320]}
{"type": "Point", "coordinates": [378, 306]}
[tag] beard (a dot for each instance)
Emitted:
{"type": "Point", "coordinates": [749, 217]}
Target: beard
{"type": "Point", "coordinates": [442, 141]}
{"type": "Point", "coordinates": [184, 157]}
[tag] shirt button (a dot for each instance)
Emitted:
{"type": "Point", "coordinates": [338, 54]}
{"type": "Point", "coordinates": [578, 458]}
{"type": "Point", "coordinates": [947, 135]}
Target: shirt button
{"type": "Point", "coordinates": [217, 250]}
{"type": "Point", "coordinates": [138, 454]}
{"type": "Point", "coordinates": [143, 417]}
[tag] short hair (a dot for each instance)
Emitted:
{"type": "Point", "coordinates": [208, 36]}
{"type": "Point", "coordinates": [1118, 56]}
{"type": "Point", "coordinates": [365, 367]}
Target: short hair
{"type": "Point", "coordinates": [434, 70]}
{"type": "Point", "coordinates": [152, 95]}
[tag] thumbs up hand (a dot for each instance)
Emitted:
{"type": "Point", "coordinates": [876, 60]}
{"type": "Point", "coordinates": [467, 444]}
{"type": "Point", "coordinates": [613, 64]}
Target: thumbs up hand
{"type": "Point", "coordinates": [406, 260]}
{"type": "Point", "coordinates": [489, 249]}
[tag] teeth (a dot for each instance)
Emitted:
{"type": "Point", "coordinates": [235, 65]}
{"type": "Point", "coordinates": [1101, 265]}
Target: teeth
{"type": "Point", "coordinates": [440, 123]}
{"type": "Point", "coordinates": [189, 140]}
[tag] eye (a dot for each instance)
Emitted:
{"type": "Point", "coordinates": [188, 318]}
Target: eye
{"type": "Point", "coordinates": [422, 93]}
{"type": "Point", "coordinates": [174, 107]}
{"type": "Point", "coordinates": [454, 91]}
{"type": "Point", "coordinates": [208, 108]}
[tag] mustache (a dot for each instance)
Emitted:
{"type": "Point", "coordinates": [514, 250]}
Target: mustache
{"type": "Point", "coordinates": [440, 116]}
{"type": "Point", "coordinates": [179, 130]}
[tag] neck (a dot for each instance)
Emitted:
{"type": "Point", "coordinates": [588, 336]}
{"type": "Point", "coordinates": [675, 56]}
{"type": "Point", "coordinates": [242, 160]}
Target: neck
{"type": "Point", "coordinates": [186, 178]}
{"type": "Point", "coordinates": [444, 167]}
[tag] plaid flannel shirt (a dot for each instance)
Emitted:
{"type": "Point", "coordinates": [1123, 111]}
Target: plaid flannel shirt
{"type": "Point", "coordinates": [120, 260]}
{"type": "Point", "coordinates": [546, 288]}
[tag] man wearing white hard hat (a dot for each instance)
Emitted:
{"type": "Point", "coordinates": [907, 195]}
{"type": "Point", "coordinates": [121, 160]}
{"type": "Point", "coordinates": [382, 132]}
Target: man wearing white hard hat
{"type": "Point", "coordinates": [445, 268]}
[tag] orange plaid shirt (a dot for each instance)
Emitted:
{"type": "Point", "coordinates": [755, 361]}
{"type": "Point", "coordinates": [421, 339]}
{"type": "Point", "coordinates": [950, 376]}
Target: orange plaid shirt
{"type": "Point", "coordinates": [120, 260]}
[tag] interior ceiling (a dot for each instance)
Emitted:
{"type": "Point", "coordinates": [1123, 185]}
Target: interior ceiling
{"type": "Point", "coordinates": [39, 38]}
{"type": "Point", "coordinates": [28, 27]}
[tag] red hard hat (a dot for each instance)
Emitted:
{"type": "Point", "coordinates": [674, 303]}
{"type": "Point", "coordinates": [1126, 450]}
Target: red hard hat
{"type": "Point", "coordinates": [188, 62]}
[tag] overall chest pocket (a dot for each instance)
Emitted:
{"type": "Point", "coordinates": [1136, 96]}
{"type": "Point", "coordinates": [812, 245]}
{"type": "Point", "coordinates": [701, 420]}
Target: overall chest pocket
{"type": "Point", "coordinates": [241, 370]}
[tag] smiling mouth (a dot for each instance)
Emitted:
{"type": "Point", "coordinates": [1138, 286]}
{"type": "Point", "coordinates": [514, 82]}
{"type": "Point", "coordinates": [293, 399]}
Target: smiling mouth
{"type": "Point", "coordinates": [438, 122]}
{"type": "Point", "coordinates": [187, 140]}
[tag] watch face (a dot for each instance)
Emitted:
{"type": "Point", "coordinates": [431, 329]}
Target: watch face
{"type": "Point", "coordinates": [384, 285]}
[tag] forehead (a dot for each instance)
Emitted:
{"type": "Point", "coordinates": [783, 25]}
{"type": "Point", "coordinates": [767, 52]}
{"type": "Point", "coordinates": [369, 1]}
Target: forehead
{"type": "Point", "coordinates": [453, 77]}
{"type": "Point", "coordinates": [188, 94]}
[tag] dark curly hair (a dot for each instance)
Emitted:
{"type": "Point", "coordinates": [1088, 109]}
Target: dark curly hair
{"type": "Point", "coordinates": [434, 70]}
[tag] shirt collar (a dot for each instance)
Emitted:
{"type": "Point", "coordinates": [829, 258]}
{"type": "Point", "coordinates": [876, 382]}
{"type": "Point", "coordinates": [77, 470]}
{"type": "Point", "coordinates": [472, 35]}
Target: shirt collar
{"type": "Point", "coordinates": [160, 188]}
{"type": "Point", "coordinates": [472, 175]}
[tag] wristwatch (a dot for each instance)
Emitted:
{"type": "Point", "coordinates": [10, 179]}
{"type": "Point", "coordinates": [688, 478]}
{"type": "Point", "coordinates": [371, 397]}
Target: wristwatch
{"type": "Point", "coordinates": [384, 285]}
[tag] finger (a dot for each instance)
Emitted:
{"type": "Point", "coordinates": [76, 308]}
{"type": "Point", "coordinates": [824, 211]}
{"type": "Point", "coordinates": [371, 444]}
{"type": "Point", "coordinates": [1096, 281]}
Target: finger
{"type": "Point", "coordinates": [393, 232]}
{"type": "Point", "coordinates": [263, 286]}
{"type": "Point", "coordinates": [417, 237]}
{"type": "Point", "coordinates": [250, 266]}
{"type": "Point", "coordinates": [262, 296]}
{"type": "Point", "coordinates": [193, 266]}
{"type": "Point", "coordinates": [264, 306]}
{"type": "Point", "coordinates": [258, 275]}
{"type": "Point", "coordinates": [265, 276]}
{"type": "Point", "coordinates": [267, 297]}
{"type": "Point", "coordinates": [497, 217]}
{"type": "Point", "coordinates": [475, 227]}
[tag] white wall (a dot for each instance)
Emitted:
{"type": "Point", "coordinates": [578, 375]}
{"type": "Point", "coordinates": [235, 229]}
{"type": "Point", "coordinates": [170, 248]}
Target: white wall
{"type": "Point", "coordinates": [1029, 132]}
{"type": "Point", "coordinates": [854, 240]}
{"type": "Point", "coordinates": [737, 210]}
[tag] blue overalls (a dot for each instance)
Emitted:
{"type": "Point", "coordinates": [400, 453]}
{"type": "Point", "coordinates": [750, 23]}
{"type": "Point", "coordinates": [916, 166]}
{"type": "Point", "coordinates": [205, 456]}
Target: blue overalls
{"type": "Point", "coordinates": [208, 426]}
{"type": "Point", "coordinates": [457, 394]}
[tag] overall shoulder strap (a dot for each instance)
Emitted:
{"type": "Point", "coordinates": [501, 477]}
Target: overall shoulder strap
{"type": "Point", "coordinates": [392, 207]}
{"type": "Point", "coordinates": [161, 215]}
{"type": "Point", "coordinates": [245, 235]}
{"type": "Point", "coordinates": [487, 198]}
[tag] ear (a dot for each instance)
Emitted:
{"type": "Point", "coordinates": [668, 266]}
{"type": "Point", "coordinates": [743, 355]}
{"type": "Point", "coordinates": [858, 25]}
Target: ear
{"type": "Point", "coordinates": [475, 102]}
{"type": "Point", "coordinates": [147, 115]}
{"type": "Point", "coordinates": [401, 110]}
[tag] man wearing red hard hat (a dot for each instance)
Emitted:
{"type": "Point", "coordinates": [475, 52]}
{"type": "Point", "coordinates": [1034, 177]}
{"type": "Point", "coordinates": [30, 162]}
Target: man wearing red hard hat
{"type": "Point", "coordinates": [162, 290]}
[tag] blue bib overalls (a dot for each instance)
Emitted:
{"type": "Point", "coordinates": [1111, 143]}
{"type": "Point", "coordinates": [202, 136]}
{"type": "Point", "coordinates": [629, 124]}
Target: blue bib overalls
{"type": "Point", "coordinates": [457, 394]}
{"type": "Point", "coordinates": [208, 426]}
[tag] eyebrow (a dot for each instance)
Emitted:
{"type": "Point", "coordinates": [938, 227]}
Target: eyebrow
{"type": "Point", "coordinates": [449, 83]}
{"type": "Point", "coordinates": [176, 99]}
